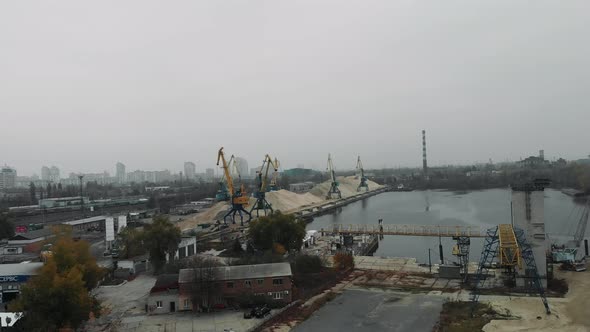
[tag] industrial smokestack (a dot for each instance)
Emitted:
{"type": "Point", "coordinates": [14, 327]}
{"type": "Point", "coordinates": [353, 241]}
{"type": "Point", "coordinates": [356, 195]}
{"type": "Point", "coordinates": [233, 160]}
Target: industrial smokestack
{"type": "Point", "coordinates": [424, 163]}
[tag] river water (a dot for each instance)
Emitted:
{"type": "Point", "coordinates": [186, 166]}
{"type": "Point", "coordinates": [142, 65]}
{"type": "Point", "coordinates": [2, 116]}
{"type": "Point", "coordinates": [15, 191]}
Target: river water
{"type": "Point", "coordinates": [485, 209]}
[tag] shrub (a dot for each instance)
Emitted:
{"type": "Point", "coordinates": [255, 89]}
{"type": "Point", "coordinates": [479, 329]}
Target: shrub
{"type": "Point", "coordinates": [304, 264]}
{"type": "Point", "coordinates": [278, 249]}
{"type": "Point", "coordinates": [343, 261]}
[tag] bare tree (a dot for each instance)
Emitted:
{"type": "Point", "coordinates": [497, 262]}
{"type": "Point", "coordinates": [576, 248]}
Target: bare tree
{"type": "Point", "coordinates": [205, 285]}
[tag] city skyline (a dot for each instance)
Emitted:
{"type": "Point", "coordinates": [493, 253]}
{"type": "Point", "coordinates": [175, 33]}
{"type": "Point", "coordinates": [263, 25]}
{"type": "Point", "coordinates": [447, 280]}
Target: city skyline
{"type": "Point", "coordinates": [202, 171]}
{"type": "Point", "coordinates": [365, 82]}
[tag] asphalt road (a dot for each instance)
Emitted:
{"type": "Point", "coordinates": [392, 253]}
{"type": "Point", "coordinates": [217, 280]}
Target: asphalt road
{"type": "Point", "coordinates": [368, 310]}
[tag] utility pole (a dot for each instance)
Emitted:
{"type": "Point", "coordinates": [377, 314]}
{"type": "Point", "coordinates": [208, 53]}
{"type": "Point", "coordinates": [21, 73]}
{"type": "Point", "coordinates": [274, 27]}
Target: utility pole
{"type": "Point", "coordinates": [429, 261]}
{"type": "Point", "coordinates": [81, 196]}
{"type": "Point", "coordinates": [440, 250]}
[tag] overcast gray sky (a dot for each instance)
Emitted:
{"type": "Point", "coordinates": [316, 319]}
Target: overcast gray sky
{"type": "Point", "coordinates": [84, 84]}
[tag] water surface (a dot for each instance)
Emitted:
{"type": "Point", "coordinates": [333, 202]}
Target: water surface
{"type": "Point", "coordinates": [482, 209]}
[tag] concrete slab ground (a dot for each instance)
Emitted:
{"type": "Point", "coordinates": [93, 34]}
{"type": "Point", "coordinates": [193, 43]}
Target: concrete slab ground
{"type": "Point", "coordinates": [128, 298]}
{"type": "Point", "coordinates": [189, 322]}
{"type": "Point", "coordinates": [373, 310]}
{"type": "Point", "coordinates": [390, 264]}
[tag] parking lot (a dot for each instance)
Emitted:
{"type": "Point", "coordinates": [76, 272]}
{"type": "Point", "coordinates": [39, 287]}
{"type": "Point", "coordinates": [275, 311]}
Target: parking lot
{"type": "Point", "coordinates": [190, 322]}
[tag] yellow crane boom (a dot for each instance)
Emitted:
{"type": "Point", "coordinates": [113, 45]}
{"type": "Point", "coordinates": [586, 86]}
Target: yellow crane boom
{"type": "Point", "coordinates": [226, 172]}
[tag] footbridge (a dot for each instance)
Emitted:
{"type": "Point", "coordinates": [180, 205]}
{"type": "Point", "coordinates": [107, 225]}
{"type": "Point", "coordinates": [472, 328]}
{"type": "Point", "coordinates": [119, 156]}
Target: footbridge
{"type": "Point", "coordinates": [409, 230]}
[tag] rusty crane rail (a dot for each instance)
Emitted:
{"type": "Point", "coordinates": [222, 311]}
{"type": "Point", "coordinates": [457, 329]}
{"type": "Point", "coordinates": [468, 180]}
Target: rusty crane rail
{"type": "Point", "coordinates": [409, 230]}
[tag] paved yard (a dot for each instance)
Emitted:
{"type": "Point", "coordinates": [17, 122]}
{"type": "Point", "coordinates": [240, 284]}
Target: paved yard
{"type": "Point", "coordinates": [181, 322]}
{"type": "Point", "coordinates": [362, 310]}
{"type": "Point", "coordinates": [129, 298]}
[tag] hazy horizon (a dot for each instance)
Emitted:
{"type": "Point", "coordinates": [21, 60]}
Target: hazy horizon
{"type": "Point", "coordinates": [153, 84]}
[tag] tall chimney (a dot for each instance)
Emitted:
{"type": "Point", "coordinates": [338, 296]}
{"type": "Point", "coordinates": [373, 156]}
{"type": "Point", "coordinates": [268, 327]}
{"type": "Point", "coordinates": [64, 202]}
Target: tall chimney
{"type": "Point", "coordinates": [424, 163]}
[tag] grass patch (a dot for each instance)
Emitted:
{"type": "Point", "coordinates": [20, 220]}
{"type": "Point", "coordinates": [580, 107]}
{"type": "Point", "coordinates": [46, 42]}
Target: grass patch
{"type": "Point", "coordinates": [456, 317]}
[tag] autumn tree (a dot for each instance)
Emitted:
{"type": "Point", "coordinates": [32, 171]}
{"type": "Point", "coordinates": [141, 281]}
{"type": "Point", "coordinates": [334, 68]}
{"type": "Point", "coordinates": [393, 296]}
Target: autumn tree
{"type": "Point", "coordinates": [583, 177]}
{"type": "Point", "coordinates": [277, 231]}
{"type": "Point", "coordinates": [69, 254]}
{"type": "Point", "coordinates": [161, 238]}
{"type": "Point", "coordinates": [58, 296]}
{"type": "Point", "coordinates": [132, 241]}
{"type": "Point", "coordinates": [343, 261]}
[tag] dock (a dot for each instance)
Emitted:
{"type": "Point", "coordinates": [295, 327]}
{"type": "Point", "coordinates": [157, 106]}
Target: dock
{"type": "Point", "coordinates": [329, 206]}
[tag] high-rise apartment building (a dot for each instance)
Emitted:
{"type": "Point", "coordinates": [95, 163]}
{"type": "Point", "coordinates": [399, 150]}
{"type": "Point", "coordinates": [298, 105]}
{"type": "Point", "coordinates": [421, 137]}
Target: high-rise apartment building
{"type": "Point", "coordinates": [50, 174]}
{"type": "Point", "coordinates": [45, 173]}
{"type": "Point", "coordinates": [7, 177]}
{"type": "Point", "coordinates": [242, 166]}
{"type": "Point", "coordinates": [120, 174]}
{"type": "Point", "coordinates": [190, 170]}
{"type": "Point", "coordinates": [54, 174]}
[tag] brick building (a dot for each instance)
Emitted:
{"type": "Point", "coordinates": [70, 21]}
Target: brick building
{"type": "Point", "coordinates": [272, 280]}
{"type": "Point", "coordinates": [163, 297]}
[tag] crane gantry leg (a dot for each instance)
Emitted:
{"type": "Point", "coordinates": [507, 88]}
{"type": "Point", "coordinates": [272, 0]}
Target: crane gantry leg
{"type": "Point", "coordinates": [334, 192]}
{"type": "Point", "coordinates": [262, 204]}
{"type": "Point", "coordinates": [237, 209]}
{"type": "Point", "coordinates": [509, 244]}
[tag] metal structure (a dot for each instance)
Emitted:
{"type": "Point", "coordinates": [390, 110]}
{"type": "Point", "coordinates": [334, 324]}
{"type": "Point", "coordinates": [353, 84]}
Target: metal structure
{"type": "Point", "coordinates": [222, 193]}
{"type": "Point", "coordinates": [509, 253]}
{"type": "Point", "coordinates": [412, 230]}
{"type": "Point", "coordinates": [498, 242]}
{"type": "Point", "coordinates": [274, 181]}
{"type": "Point", "coordinates": [334, 192]}
{"type": "Point", "coordinates": [581, 229]}
{"type": "Point", "coordinates": [488, 253]}
{"type": "Point", "coordinates": [571, 255]}
{"type": "Point", "coordinates": [239, 198]}
{"type": "Point", "coordinates": [461, 250]}
{"type": "Point", "coordinates": [262, 187]}
{"type": "Point", "coordinates": [532, 274]}
{"type": "Point", "coordinates": [361, 172]}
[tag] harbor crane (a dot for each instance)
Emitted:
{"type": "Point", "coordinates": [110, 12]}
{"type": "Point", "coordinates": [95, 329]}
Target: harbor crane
{"type": "Point", "coordinates": [334, 192]}
{"type": "Point", "coordinates": [361, 171]}
{"type": "Point", "coordinates": [571, 255]}
{"type": "Point", "coordinates": [239, 198]}
{"type": "Point", "coordinates": [274, 181]}
{"type": "Point", "coordinates": [223, 192]}
{"type": "Point", "coordinates": [262, 187]}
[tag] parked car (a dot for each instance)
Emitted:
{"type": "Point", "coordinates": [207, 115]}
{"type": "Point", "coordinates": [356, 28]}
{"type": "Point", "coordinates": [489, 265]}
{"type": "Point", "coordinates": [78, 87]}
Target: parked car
{"type": "Point", "coordinates": [262, 311]}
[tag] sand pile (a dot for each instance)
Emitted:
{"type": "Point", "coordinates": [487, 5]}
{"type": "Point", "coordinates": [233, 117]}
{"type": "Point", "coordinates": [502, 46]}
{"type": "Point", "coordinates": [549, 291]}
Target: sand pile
{"type": "Point", "coordinates": [348, 186]}
{"type": "Point", "coordinates": [286, 201]}
{"type": "Point", "coordinates": [207, 216]}
{"type": "Point", "coordinates": [283, 200]}
{"type": "Point", "coordinates": [569, 314]}
{"type": "Point", "coordinates": [532, 317]}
